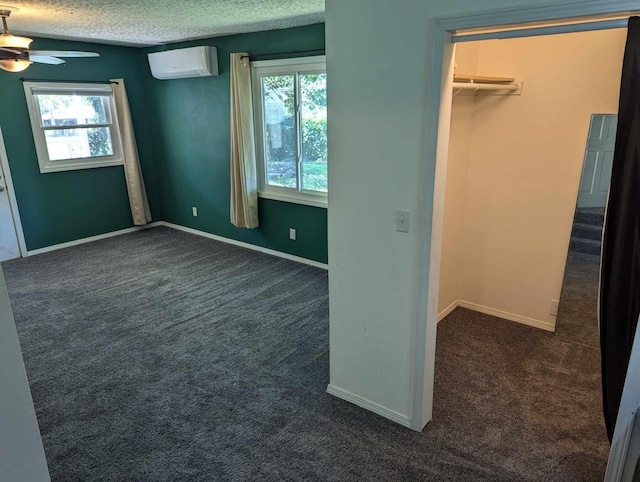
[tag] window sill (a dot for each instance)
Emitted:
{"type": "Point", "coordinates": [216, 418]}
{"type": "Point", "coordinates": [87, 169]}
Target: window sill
{"type": "Point", "coordinates": [306, 200]}
{"type": "Point", "coordinates": [59, 166]}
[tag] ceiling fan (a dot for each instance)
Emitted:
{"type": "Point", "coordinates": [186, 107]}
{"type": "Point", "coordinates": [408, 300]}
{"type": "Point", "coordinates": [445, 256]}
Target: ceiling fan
{"type": "Point", "coordinates": [15, 55]}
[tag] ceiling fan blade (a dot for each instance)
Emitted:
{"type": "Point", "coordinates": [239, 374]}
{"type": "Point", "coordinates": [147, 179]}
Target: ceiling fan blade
{"type": "Point", "coordinates": [44, 59]}
{"type": "Point", "coordinates": [13, 51]}
{"type": "Point", "coordinates": [63, 53]}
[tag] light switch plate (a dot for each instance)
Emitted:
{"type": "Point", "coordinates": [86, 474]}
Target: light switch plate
{"type": "Point", "coordinates": [403, 220]}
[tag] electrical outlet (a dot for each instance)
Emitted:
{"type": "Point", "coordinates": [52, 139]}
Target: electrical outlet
{"type": "Point", "coordinates": [292, 234]}
{"type": "Point", "coordinates": [554, 307]}
{"type": "Point", "coordinates": [403, 217]}
{"type": "Point", "coordinates": [194, 210]}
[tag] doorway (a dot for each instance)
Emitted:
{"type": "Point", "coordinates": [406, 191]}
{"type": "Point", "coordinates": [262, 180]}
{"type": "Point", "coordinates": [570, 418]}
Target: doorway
{"type": "Point", "coordinates": [433, 251]}
{"type": "Point", "coordinates": [514, 164]}
{"type": "Point", "coordinates": [12, 243]}
{"type": "Point", "coordinates": [445, 32]}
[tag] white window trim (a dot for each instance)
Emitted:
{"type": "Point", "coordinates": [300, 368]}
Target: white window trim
{"type": "Point", "coordinates": [303, 65]}
{"type": "Point", "coordinates": [46, 165]}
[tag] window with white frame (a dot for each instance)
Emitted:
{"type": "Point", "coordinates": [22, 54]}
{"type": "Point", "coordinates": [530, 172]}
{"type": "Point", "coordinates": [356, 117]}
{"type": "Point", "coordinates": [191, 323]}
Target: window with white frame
{"type": "Point", "coordinates": [74, 125]}
{"type": "Point", "coordinates": [290, 106]}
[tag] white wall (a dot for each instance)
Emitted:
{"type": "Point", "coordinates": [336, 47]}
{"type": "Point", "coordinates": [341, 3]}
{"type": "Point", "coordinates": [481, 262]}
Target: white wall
{"type": "Point", "coordinates": [375, 129]}
{"type": "Point", "coordinates": [462, 112]}
{"type": "Point", "coordinates": [378, 59]}
{"type": "Point", "coordinates": [526, 156]}
{"type": "Point", "coordinates": [21, 454]}
{"type": "Point", "coordinates": [461, 134]}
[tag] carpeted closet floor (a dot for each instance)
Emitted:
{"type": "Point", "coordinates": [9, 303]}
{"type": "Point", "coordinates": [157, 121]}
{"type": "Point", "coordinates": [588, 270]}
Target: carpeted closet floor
{"type": "Point", "coordinates": [163, 356]}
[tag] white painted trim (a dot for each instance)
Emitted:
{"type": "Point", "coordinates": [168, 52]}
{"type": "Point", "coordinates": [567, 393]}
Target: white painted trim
{"type": "Point", "coordinates": [505, 315]}
{"type": "Point", "coordinates": [447, 311]}
{"type": "Point", "coordinates": [520, 15]}
{"type": "Point", "coordinates": [13, 202]}
{"type": "Point", "coordinates": [618, 458]}
{"type": "Point", "coordinates": [369, 405]}
{"type": "Point", "coordinates": [90, 239]}
{"type": "Point", "coordinates": [428, 271]}
{"type": "Point", "coordinates": [541, 30]}
{"type": "Point", "coordinates": [439, 104]}
{"type": "Point", "coordinates": [296, 197]}
{"type": "Point", "coordinates": [633, 451]}
{"type": "Point", "coordinates": [272, 252]}
{"type": "Point", "coordinates": [289, 66]}
{"type": "Point", "coordinates": [623, 455]}
{"type": "Point", "coordinates": [314, 59]}
{"type": "Point", "coordinates": [31, 89]}
{"type": "Point", "coordinates": [204, 234]}
{"type": "Point", "coordinates": [543, 325]}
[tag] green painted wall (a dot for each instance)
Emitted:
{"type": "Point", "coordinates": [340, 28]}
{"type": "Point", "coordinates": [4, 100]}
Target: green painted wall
{"type": "Point", "coordinates": [64, 206]}
{"type": "Point", "coordinates": [182, 130]}
{"type": "Point", "coordinates": [191, 137]}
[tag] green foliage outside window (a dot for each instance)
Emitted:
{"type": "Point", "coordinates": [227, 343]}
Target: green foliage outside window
{"type": "Point", "coordinates": [99, 139]}
{"type": "Point", "coordinates": [281, 140]}
{"type": "Point", "coordinates": [71, 110]}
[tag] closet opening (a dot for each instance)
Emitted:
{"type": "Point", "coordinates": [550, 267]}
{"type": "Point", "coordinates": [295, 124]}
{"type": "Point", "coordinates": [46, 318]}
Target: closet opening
{"type": "Point", "coordinates": [525, 183]}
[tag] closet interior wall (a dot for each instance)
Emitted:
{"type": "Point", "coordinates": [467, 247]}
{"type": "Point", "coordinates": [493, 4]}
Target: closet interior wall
{"type": "Point", "coordinates": [514, 168]}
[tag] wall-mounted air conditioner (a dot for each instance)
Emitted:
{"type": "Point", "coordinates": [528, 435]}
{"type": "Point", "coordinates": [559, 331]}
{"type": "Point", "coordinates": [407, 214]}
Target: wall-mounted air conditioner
{"type": "Point", "coordinates": [182, 63]}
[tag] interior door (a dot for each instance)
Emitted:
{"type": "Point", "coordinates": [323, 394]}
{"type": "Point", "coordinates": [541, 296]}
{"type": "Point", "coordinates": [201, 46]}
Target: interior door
{"type": "Point", "coordinates": [9, 248]}
{"type": "Point", "coordinates": [598, 160]}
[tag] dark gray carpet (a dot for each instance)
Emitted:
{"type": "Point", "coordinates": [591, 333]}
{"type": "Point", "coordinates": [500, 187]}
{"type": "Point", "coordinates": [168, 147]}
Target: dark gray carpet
{"type": "Point", "coordinates": [578, 311]}
{"type": "Point", "coordinates": [162, 356]}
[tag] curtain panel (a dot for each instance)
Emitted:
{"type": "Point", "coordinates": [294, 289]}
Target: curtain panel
{"type": "Point", "coordinates": [138, 201]}
{"type": "Point", "coordinates": [619, 303]}
{"type": "Point", "coordinates": [244, 180]}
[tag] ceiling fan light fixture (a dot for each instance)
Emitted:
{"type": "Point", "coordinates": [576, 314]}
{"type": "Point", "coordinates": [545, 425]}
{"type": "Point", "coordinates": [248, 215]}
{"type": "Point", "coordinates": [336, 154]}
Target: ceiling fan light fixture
{"type": "Point", "coordinates": [14, 41]}
{"type": "Point", "coordinates": [15, 55]}
{"type": "Point", "coordinates": [14, 65]}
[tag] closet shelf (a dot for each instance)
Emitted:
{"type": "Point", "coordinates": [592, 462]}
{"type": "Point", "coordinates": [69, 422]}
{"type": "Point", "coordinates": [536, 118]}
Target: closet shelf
{"type": "Point", "coordinates": [477, 83]}
{"type": "Point", "coordinates": [482, 79]}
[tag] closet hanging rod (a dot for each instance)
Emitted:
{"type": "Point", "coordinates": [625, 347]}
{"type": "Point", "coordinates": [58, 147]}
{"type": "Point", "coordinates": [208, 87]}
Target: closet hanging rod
{"type": "Point", "coordinates": [476, 87]}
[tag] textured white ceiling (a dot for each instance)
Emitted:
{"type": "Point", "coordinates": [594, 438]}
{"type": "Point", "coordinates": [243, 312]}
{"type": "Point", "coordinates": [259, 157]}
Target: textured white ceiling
{"type": "Point", "coordinates": [153, 22]}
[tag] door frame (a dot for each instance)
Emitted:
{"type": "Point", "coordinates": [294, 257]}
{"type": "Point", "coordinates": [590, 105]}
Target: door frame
{"type": "Point", "coordinates": [433, 181]}
{"type": "Point", "coordinates": [11, 193]}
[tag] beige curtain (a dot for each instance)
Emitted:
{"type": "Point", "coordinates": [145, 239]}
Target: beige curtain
{"type": "Point", "coordinates": [244, 181]}
{"type": "Point", "coordinates": [140, 211]}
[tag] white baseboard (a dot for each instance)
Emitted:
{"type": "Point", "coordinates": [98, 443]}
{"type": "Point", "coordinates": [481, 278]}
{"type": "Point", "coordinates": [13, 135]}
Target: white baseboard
{"type": "Point", "coordinates": [369, 405]}
{"type": "Point", "coordinates": [543, 325]}
{"type": "Point", "coordinates": [272, 252]}
{"type": "Point", "coordinates": [92, 238]}
{"type": "Point", "coordinates": [133, 229]}
{"type": "Point", "coordinates": [444, 313]}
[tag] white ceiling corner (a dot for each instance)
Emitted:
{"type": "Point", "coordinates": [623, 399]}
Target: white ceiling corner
{"type": "Point", "coordinates": [155, 22]}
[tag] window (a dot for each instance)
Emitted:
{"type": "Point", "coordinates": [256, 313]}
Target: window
{"type": "Point", "coordinates": [74, 125]}
{"type": "Point", "coordinates": [290, 98]}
